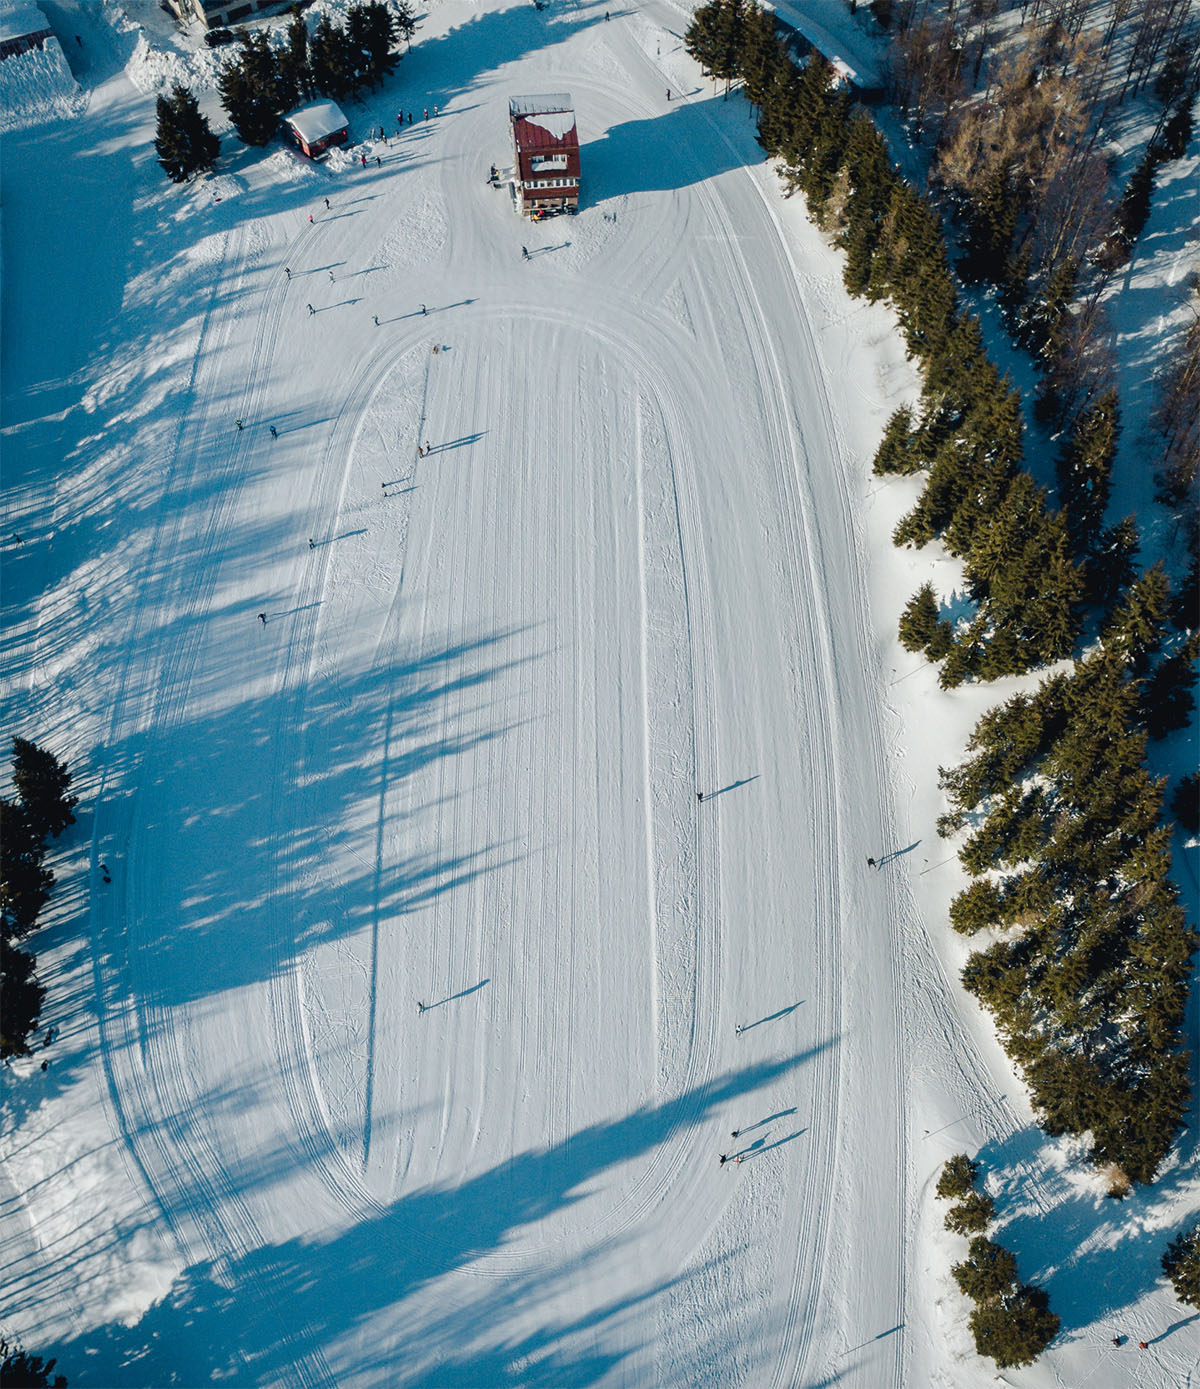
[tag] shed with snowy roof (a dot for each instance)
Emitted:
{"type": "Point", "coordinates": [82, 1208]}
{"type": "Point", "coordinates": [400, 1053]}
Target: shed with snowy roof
{"type": "Point", "coordinates": [22, 27]}
{"type": "Point", "coordinates": [317, 126]}
{"type": "Point", "coordinates": [545, 153]}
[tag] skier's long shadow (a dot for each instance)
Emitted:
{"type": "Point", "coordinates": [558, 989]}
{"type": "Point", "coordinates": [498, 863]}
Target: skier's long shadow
{"type": "Point", "coordinates": [733, 786]}
{"type": "Point", "coordinates": [464, 993]}
{"type": "Point", "coordinates": [773, 1017]}
{"type": "Point", "coordinates": [897, 853]}
{"type": "Point", "coordinates": [760, 1147]}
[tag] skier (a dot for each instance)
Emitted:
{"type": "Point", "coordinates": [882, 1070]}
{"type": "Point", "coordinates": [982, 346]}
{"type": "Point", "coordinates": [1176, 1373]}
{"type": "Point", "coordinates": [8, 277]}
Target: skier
{"type": "Point", "coordinates": [274, 432]}
{"type": "Point", "coordinates": [400, 118]}
{"type": "Point", "coordinates": [1143, 1345]}
{"type": "Point", "coordinates": [376, 318]}
{"type": "Point", "coordinates": [312, 544]}
{"type": "Point", "coordinates": [310, 216]}
{"type": "Point", "coordinates": [426, 111]}
{"type": "Point", "coordinates": [326, 204]}
{"type": "Point", "coordinates": [699, 795]}
{"type": "Point", "coordinates": [420, 451]}
{"type": "Point", "coordinates": [724, 1159]}
{"type": "Point", "coordinates": [378, 162]}
{"type": "Point", "coordinates": [524, 253]}
{"type": "Point", "coordinates": [262, 617]}
{"type": "Point", "coordinates": [239, 425]}
{"type": "Point", "coordinates": [738, 1030]}
{"type": "Point", "coordinates": [18, 539]}
{"type": "Point", "coordinates": [410, 118]}
{"type": "Point", "coordinates": [428, 446]}
{"type": "Point", "coordinates": [668, 94]}
{"type": "Point", "coordinates": [871, 863]}
{"type": "Point", "coordinates": [420, 1008]}
{"type": "Point", "coordinates": [331, 277]}
{"type": "Point", "coordinates": [435, 111]}
{"type": "Point", "coordinates": [364, 160]}
{"type": "Point", "coordinates": [424, 310]}
{"type": "Point", "coordinates": [1116, 1340]}
{"type": "Point", "coordinates": [310, 308]}
{"type": "Point", "coordinates": [735, 1133]}
{"type": "Point", "coordinates": [287, 270]}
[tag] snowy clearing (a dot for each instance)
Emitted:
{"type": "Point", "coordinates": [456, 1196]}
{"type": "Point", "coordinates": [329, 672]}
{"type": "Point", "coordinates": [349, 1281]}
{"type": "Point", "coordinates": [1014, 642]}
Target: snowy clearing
{"type": "Point", "coordinates": [457, 766]}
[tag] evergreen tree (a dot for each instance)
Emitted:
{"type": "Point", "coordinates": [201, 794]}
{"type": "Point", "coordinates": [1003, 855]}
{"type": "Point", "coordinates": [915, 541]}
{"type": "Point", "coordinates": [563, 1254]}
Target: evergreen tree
{"type": "Point", "coordinates": [897, 452]}
{"type": "Point", "coordinates": [992, 222]}
{"type": "Point", "coordinates": [976, 908]}
{"type": "Point", "coordinates": [252, 92]}
{"type": "Point", "coordinates": [714, 38]}
{"type": "Point", "coordinates": [19, 1370]}
{"type": "Point", "coordinates": [1134, 210]}
{"type": "Point", "coordinates": [989, 1271]}
{"type": "Point", "coordinates": [25, 882]}
{"type": "Point", "coordinates": [1177, 133]}
{"type": "Point", "coordinates": [1040, 327]}
{"type": "Point", "coordinates": [371, 34]}
{"type": "Point", "coordinates": [1185, 804]}
{"type": "Point", "coordinates": [184, 142]}
{"type": "Point", "coordinates": [22, 997]}
{"type": "Point", "coordinates": [760, 53]}
{"type": "Point", "coordinates": [1181, 1264]}
{"type": "Point", "coordinates": [1085, 469]}
{"type": "Point", "coordinates": [1015, 1329]}
{"type": "Point", "coordinates": [1111, 564]}
{"type": "Point", "coordinates": [972, 1214]}
{"type": "Point", "coordinates": [406, 20]}
{"type": "Point", "coordinates": [295, 71]}
{"type": "Point", "coordinates": [1137, 627]}
{"type": "Point", "coordinates": [43, 784]}
{"type": "Point", "coordinates": [333, 64]}
{"type": "Point", "coordinates": [957, 1177]}
{"type": "Point", "coordinates": [1168, 696]}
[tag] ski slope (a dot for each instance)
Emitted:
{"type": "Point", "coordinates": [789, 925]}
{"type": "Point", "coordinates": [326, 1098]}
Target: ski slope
{"type": "Point", "coordinates": [457, 766]}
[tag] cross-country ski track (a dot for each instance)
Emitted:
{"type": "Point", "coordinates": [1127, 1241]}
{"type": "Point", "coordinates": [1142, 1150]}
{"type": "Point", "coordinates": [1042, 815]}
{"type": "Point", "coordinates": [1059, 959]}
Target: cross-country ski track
{"type": "Point", "coordinates": [458, 766]}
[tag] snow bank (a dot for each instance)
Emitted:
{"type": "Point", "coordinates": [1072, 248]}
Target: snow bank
{"type": "Point", "coordinates": [38, 86]}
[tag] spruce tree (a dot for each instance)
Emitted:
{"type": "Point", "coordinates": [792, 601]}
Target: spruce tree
{"type": "Point", "coordinates": [1181, 1264]}
{"type": "Point", "coordinates": [25, 881]}
{"type": "Point", "coordinates": [1136, 629]}
{"type": "Point", "coordinates": [989, 1271]}
{"type": "Point", "coordinates": [992, 222]}
{"type": "Point", "coordinates": [896, 452]}
{"type": "Point", "coordinates": [372, 31]}
{"type": "Point", "coordinates": [957, 1177]}
{"type": "Point", "coordinates": [1014, 1329]}
{"type": "Point", "coordinates": [333, 65]}
{"type": "Point", "coordinates": [184, 142]}
{"type": "Point", "coordinates": [43, 784]}
{"type": "Point", "coordinates": [1085, 469]}
{"type": "Point", "coordinates": [251, 90]}
{"type": "Point", "coordinates": [295, 72]}
{"type": "Point", "coordinates": [1168, 696]}
{"type": "Point", "coordinates": [1111, 564]}
{"type": "Point", "coordinates": [972, 1214]}
{"type": "Point", "coordinates": [23, 997]}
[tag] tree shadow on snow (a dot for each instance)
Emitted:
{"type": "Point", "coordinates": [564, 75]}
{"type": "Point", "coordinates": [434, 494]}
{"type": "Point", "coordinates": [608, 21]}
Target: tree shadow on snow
{"type": "Point", "coordinates": [258, 1315]}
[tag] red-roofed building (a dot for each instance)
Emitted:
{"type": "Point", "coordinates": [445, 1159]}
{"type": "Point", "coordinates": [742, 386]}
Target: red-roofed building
{"type": "Point", "coordinates": [545, 153]}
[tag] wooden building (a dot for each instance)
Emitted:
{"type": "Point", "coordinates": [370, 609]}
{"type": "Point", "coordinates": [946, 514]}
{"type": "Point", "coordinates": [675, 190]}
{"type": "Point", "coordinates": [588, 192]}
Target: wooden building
{"type": "Point", "coordinates": [317, 126]}
{"type": "Point", "coordinates": [545, 153]}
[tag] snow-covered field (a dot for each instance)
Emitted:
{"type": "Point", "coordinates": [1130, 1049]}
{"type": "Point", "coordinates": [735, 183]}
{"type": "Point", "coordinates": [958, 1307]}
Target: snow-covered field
{"type": "Point", "coordinates": [458, 766]}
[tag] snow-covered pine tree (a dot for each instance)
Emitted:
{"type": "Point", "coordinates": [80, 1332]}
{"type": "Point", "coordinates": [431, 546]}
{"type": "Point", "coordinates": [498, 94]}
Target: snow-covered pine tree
{"type": "Point", "coordinates": [334, 64]}
{"type": "Point", "coordinates": [371, 34]}
{"type": "Point", "coordinates": [295, 71]}
{"type": "Point", "coordinates": [1085, 469]}
{"type": "Point", "coordinates": [183, 141]}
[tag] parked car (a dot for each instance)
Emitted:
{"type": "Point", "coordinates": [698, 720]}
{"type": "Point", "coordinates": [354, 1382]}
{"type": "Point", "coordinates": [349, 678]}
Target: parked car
{"type": "Point", "coordinates": [215, 38]}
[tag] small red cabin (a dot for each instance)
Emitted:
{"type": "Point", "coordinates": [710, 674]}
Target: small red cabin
{"type": "Point", "coordinates": [317, 126]}
{"type": "Point", "coordinates": [545, 153]}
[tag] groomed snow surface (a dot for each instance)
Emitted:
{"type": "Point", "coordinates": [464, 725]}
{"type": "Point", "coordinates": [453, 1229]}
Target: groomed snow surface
{"type": "Point", "coordinates": [458, 766]}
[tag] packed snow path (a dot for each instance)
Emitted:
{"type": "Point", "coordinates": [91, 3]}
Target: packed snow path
{"type": "Point", "coordinates": [458, 766]}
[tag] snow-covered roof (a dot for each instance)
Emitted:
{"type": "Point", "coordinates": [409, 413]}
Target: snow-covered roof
{"type": "Point", "coordinates": [19, 19]}
{"type": "Point", "coordinates": [554, 114]}
{"type": "Point", "coordinates": [316, 121]}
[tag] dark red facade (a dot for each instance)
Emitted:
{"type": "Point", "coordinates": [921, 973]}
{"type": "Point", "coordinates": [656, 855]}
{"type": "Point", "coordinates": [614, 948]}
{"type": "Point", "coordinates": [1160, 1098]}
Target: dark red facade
{"type": "Point", "coordinates": [545, 154]}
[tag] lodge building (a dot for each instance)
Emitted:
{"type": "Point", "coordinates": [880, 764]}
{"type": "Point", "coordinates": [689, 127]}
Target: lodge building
{"type": "Point", "coordinates": [545, 153]}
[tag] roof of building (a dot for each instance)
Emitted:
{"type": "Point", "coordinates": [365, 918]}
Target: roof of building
{"type": "Point", "coordinates": [543, 122]}
{"type": "Point", "coordinates": [19, 19]}
{"type": "Point", "coordinates": [316, 121]}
